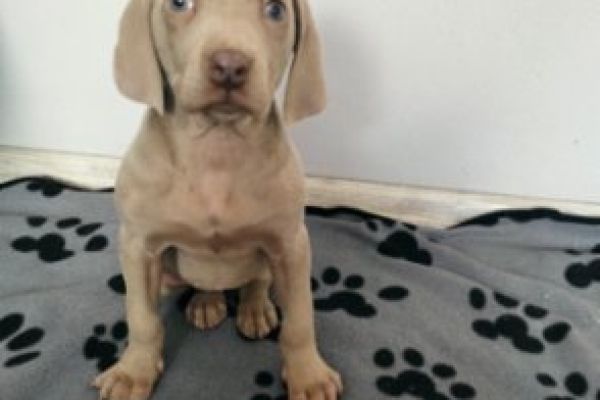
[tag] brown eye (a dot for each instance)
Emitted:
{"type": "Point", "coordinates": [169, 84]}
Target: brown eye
{"type": "Point", "coordinates": [275, 10]}
{"type": "Point", "coordinates": [181, 6]}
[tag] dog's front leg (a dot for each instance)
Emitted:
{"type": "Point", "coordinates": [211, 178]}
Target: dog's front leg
{"type": "Point", "coordinates": [134, 376]}
{"type": "Point", "coordinates": [308, 377]}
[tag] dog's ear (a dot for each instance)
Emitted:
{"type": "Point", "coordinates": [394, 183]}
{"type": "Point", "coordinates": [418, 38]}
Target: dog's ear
{"type": "Point", "coordinates": [306, 87]}
{"type": "Point", "coordinates": [136, 67]}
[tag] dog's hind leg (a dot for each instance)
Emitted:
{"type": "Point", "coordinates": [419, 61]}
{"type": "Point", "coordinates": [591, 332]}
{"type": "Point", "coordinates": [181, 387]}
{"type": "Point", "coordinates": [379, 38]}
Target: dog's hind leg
{"type": "Point", "coordinates": [256, 316]}
{"type": "Point", "coordinates": [206, 310]}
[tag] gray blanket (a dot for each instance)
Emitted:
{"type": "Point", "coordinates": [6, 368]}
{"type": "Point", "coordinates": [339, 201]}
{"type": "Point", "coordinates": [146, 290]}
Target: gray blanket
{"type": "Point", "coordinates": [504, 306]}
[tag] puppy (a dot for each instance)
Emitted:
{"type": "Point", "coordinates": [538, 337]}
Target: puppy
{"type": "Point", "coordinates": [211, 192]}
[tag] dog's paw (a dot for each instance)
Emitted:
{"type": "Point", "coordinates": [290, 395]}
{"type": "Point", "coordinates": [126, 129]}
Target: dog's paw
{"type": "Point", "coordinates": [206, 310]}
{"type": "Point", "coordinates": [310, 378]}
{"type": "Point", "coordinates": [256, 318]}
{"type": "Point", "coordinates": [132, 378]}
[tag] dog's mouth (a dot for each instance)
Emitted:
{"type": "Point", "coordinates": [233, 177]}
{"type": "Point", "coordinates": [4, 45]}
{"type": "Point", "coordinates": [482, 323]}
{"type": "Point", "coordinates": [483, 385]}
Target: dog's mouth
{"type": "Point", "coordinates": [227, 108]}
{"type": "Point", "coordinates": [226, 112]}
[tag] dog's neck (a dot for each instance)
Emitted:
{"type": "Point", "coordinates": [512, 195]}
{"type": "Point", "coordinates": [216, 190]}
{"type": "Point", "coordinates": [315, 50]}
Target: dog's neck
{"type": "Point", "coordinates": [203, 141]}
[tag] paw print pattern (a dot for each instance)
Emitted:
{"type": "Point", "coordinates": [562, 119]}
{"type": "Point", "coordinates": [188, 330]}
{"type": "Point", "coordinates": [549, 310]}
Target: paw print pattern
{"type": "Point", "coordinates": [404, 245]}
{"type": "Point", "coordinates": [117, 284]}
{"type": "Point", "coordinates": [103, 349]}
{"type": "Point", "coordinates": [266, 380]}
{"type": "Point", "coordinates": [416, 381]}
{"type": "Point", "coordinates": [348, 297]}
{"type": "Point", "coordinates": [582, 276]}
{"type": "Point", "coordinates": [575, 384]}
{"type": "Point", "coordinates": [46, 187]}
{"type": "Point", "coordinates": [20, 342]}
{"type": "Point", "coordinates": [349, 300]}
{"type": "Point", "coordinates": [52, 247]}
{"type": "Point", "coordinates": [515, 327]}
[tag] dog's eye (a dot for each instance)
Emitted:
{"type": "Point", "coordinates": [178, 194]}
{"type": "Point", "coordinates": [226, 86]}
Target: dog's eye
{"type": "Point", "coordinates": [275, 10]}
{"type": "Point", "coordinates": [181, 5]}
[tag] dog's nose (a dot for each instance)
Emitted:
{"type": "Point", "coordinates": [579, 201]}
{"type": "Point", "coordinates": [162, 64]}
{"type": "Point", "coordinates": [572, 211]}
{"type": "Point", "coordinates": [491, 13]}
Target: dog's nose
{"type": "Point", "coordinates": [229, 69]}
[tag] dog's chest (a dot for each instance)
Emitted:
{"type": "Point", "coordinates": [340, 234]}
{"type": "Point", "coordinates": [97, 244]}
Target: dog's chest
{"type": "Point", "coordinates": [211, 188]}
{"type": "Point", "coordinates": [211, 205]}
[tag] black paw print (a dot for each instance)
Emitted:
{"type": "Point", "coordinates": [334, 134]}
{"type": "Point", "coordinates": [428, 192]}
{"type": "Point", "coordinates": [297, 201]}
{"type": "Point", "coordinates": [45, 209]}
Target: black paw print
{"type": "Point", "coordinates": [117, 284]}
{"type": "Point", "coordinates": [582, 275]}
{"type": "Point", "coordinates": [106, 351]}
{"type": "Point", "coordinates": [47, 187]}
{"type": "Point", "coordinates": [576, 384]}
{"type": "Point", "coordinates": [266, 381]}
{"type": "Point", "coordinates": [416, 381]}
{"type": "Point", "coordinates": [20, 344]}
{"type": "Point", "coordinates": [51, 247]}
{"type": "Point", "coordinates": [404, 245]}
{"type": "Point", "coordinates": [515, 327]}
{"type": "Point", "coordinates": [349, 299]}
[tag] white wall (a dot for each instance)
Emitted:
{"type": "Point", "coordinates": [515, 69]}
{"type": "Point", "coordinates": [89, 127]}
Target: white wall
{"type": "Point", "coordinates": [497, 96]}
{"type": "Point", "coordinates": [56, 87]}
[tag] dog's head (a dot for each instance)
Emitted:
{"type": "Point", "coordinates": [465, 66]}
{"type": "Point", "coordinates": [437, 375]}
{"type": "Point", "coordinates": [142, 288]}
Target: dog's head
{"type": "Point", "coordinates": [220, 57]}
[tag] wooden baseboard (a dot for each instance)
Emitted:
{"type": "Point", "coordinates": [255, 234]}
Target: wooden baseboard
{"type": "Point", "coordinates": [421, 206]}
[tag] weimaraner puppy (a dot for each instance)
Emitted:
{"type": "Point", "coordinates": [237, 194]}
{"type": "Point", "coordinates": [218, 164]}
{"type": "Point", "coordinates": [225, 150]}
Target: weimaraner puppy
{"type": "Point", "coordinates": [211, 192]}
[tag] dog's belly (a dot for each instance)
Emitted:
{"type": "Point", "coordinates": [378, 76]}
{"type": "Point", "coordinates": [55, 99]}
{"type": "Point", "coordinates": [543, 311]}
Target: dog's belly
{"type": "Point", "coordinates": [219, 272]}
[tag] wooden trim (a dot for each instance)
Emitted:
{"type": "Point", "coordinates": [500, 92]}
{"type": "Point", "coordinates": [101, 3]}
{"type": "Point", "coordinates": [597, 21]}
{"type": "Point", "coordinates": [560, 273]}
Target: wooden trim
{"type": "Point", "coordinates": [427, 206]}
{"type": "Point", "coordinates": [421, 206]}
{"type": "Point", "coordinates": [89, 171]}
